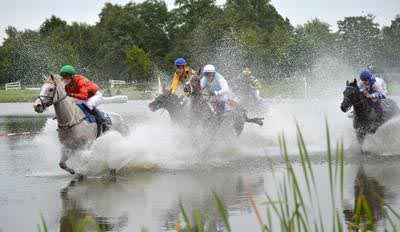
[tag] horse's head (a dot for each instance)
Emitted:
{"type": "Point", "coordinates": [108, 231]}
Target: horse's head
{"type": "Point", "coordinates": [192, 87]}
{"type": "Point", "coordinates": [51, 92]}
{"type": "Point", "coordinates": [350, 95]}
{"type": "Point", "coordinates": [163, 100]}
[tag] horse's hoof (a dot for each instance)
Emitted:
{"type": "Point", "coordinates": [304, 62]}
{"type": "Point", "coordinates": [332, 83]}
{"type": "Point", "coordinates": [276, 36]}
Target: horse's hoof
{"type": "Point", "coordinates": [80, 176]}
{"type": "Point", "coordinates": [71, 171]}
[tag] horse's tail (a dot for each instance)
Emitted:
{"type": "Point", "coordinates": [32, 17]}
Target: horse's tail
{"type": "Point", "coordinates": [256, 120]}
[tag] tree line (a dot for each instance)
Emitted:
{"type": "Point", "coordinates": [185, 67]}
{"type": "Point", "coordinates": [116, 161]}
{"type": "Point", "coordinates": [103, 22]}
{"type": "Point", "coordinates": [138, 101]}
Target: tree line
{"type": "Point", "coordinates": [136, 41]}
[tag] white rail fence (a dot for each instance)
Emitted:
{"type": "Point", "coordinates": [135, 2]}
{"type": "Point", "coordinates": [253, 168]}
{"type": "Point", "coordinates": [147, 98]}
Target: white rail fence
{"type": "Point", "coordinates": [13, 85]}
{"type": "Point", "coordinates": [116, 83]}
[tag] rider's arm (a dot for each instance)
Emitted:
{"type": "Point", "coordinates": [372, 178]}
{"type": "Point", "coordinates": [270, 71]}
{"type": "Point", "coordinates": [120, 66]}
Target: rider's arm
{"type": "Point", "coordinates": [224, 87]}
{"type": "Point", "coordinates": [175, 83]}
{"type": "Point", "coordinates": [379, 92]}
{"type": "Point", "coordinates": [82, 90]}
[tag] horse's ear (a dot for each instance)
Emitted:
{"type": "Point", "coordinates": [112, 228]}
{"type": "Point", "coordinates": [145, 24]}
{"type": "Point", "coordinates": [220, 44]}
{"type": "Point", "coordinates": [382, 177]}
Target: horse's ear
{"type": "Point", "coordinates": [52, 76]}
{"type": "Point", "coordinates": [355, 80]}
{"type": "Point", "coordinates": [347, 83]}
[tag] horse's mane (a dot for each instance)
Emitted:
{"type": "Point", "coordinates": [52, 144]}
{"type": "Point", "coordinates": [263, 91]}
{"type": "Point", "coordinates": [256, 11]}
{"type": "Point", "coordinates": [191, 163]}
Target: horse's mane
{"type": "Point", "coordinates": [49, 81]}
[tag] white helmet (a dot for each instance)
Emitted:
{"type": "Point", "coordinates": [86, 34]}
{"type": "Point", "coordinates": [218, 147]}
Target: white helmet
{"type": "Point", "coordinates": [209, 68]}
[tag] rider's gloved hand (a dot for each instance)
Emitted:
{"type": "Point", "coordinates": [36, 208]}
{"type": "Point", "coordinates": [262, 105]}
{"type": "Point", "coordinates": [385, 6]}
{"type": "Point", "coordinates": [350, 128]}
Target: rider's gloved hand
{"type": "Point", "coordinates": [369, 96]}
{"type": "Point", "coordinates": [213, 93]}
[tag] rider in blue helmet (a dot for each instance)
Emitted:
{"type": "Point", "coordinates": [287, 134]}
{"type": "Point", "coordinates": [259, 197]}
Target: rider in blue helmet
{"type": "Point", "coordinates": [180, 61]}
{"type": "Point", "coordinates": [181, 74]}
{"type": "Point", "coordinates": [374, 88]}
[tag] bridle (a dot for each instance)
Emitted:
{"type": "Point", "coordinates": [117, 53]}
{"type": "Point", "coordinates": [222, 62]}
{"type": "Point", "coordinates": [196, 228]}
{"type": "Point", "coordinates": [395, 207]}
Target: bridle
{"type": "Point", "coordinates": [347, 99]}
{"type": "Point", "coordinates": [50, 102]}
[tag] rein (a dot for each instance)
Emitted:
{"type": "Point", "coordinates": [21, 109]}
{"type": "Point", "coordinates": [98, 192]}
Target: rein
{"type": "Point", "coordinates": [348, 99]}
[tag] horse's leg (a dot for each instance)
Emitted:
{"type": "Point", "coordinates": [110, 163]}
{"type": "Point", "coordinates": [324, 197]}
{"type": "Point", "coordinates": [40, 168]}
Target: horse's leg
{"type": "Point", "coordinates": [113, 174]}
{"type": "Point", "coordinates": [256, 120]}
{"type": "Point", "coordinates": [63, 161]}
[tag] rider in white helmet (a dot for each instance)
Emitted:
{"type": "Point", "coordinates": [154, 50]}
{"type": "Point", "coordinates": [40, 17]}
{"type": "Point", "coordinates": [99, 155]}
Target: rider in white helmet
{"type": "Point", "coordinates": [216, 85]}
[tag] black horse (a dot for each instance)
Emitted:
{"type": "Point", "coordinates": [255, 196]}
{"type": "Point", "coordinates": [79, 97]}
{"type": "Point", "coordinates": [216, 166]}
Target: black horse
{"type": "Point", "coordinates": [368, 115]}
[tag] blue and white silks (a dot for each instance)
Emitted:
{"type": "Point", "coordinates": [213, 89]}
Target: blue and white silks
{"type": "Point", "coordinates": [219, 86]}
{"type": "Point", "coordinates": [377, 88]}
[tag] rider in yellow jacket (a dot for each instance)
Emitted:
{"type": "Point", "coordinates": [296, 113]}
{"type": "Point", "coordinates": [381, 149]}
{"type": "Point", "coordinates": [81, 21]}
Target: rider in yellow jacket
{"type": "Point", "coordinates": [252, 83]}
{"type": "Point", "coordinates": [181, 74]}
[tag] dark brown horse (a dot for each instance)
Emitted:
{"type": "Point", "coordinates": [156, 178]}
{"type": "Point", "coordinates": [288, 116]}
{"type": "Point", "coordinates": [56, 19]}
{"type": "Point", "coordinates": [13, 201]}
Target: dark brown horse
{"type": "Point", "coordinates": [172, 103]}
{"type": "Point", "coordinates": [203, 110]}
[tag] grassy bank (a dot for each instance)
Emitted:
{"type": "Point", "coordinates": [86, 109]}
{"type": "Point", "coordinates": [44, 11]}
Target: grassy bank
{"type": "Point", "coordinates": [272, 89]}
{"type": "Point", "coordinates": [18, 95]}
{"type": "Point", "coordinates": [24, 95]}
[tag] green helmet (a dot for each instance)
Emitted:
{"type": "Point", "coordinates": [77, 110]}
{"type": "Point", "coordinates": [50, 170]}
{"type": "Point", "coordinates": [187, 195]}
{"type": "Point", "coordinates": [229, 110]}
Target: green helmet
{"type": "Point", "coordinates": [67, 70]}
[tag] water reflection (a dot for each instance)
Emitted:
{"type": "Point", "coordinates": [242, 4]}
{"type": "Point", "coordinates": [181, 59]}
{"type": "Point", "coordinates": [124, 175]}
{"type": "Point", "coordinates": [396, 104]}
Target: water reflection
{"type": "Point", "coordinates": [152, 200]}
{"type": "Point", "coordinates": [368, 188]}
{"type": "Point", "coordinates": [74, 209]}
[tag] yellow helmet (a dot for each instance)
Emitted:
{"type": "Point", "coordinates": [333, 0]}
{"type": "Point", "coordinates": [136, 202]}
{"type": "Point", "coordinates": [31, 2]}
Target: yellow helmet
{"type": "Point", "coordinates": [246, 72]}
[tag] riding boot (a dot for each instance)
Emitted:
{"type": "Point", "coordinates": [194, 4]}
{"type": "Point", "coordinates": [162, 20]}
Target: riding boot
{"type": "Point", "coordinates": [99, 118]}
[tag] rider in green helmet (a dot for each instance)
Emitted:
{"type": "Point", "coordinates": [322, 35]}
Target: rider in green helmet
{"type": "Point", "coordinates": [85, 91]}
{"type": "Point", "coordinates": [67, 71]}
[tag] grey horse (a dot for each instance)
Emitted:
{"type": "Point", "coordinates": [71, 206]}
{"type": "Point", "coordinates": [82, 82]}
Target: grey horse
{"type": "Point", "coordinates": [74, 132]}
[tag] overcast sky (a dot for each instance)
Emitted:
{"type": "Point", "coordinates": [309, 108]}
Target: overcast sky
{"type": "Point", "coordinates": [30, 14]}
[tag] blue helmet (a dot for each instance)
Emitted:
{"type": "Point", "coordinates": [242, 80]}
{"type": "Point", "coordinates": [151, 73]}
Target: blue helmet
{"type": "Point", "coordinates": [366, 75]}
{"type": "Point", "coordinates": [180, 61]}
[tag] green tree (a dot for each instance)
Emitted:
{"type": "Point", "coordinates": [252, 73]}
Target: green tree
{"type": "Point", "coordinates": [138, 63]}
{"type": "Point", "coordinates": [51, 24]}
{"type": "Point", "coordinates": [360, 37]}
{"type": "Point", "coordinates": [391, 45]}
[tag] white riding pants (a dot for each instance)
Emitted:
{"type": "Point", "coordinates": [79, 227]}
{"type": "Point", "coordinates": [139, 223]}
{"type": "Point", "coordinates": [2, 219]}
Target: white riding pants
{"type": "Point", "coordinates": [94, 100]}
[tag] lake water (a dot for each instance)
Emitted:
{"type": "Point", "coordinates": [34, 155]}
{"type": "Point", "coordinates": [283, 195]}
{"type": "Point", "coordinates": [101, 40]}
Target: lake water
{"type": "Point", "coordinates": [159, 166]}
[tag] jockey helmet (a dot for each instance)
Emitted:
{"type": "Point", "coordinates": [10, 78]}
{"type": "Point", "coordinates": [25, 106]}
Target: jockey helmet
{"type": "Point", "coordinates": [180, 61]}
{"type": "Point", "coordinates": [67, 70]}
{"type": "Point", "coordinates": [366, 75]}
{"type": "Point", "coordinates": [246, 72]}
{"type": "Point", "coordinates": [209, 68]}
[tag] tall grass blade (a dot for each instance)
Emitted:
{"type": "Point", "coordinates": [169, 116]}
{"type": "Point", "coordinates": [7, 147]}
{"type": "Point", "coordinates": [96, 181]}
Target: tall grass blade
{"type": "Point", "coordinates": [185, 216]}
{"type": "Point", "coordinates": [370, 216]}
{"type": "Point", "coordinates": [331, 181]}
{"type": "Point", "coordinates": [341, 170]}
{"type": "Point", "coordinates": [82, 226]}
{"type": "Point", "coordinates": [222, 211]}
{"type": "Point", "coordinates": [254, 207]}
{"type": "Point", "coordinates": [198, 220]}
{"type": "Point", "coordinates": [44, 224]}
{"type": "Point", "coordinates": [144, 229]}
{"type": "Point", "coordinates": [339, 222]}
{"type": "Point", "coordinates": [306, 164]}
{"type": "Point", "coordinates": [177, 224]}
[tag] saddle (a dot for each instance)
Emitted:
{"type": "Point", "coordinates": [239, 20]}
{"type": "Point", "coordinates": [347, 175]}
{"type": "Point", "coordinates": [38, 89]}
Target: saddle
{"type": "Point", "coordinates": [91, 118]}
